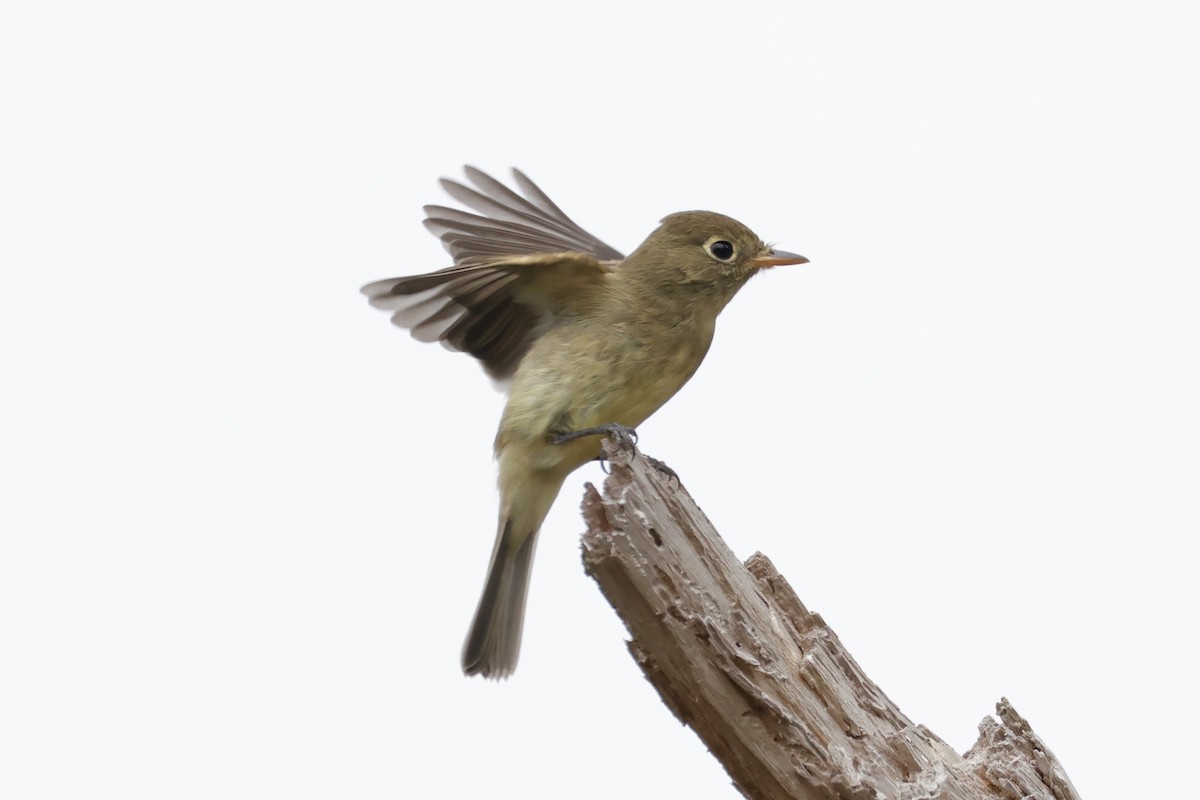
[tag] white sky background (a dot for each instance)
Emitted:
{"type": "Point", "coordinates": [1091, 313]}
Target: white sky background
{"type": "Point", "coordinates": [245, 520]}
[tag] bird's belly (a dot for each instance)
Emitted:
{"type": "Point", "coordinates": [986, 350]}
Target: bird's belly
{"type": "Point", "coordinates": [633, 395]}
{"type": "Point", "coordinates": [636, 386]}
{"type": "Point", "coordinates": [586, 383]}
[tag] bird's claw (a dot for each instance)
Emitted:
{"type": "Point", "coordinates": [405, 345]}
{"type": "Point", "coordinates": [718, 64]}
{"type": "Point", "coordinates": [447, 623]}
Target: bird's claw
{"type": "Point", "coordinates": [626, 437]}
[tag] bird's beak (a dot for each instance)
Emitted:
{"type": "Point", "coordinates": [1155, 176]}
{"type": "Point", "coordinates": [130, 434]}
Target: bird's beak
{"type": "Point", "coordinates": [776, 258]}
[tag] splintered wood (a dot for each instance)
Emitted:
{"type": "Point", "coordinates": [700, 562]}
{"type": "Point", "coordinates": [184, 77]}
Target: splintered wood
{"type": "Point", "coordinates": [764, 682]}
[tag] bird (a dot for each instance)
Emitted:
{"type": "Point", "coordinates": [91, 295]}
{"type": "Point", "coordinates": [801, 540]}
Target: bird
{"type": "Point", "coordinates": [585, 340]}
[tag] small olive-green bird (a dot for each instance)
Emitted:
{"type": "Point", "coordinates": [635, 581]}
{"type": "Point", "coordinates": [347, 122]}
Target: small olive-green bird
{"type": "Point", "coordinates": [585, 339]}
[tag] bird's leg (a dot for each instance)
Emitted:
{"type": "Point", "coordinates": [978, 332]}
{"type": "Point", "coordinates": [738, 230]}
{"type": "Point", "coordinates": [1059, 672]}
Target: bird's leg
{"type": "Point", "coordinates": [627, 437]}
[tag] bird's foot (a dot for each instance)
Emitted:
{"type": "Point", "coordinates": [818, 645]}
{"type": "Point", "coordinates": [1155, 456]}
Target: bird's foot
{"type": "Point", "coordinates": [626, 437]}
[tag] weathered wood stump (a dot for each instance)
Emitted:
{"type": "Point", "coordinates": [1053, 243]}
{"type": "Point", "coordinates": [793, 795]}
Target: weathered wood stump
{"type": "Point", "coordinates": [764, 682]}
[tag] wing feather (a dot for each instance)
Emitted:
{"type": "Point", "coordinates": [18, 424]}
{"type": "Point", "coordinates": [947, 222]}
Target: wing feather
{"type": "Point", "coordinates": [506, 218]}
{"type": "Point", "coordinates": [519, 262]}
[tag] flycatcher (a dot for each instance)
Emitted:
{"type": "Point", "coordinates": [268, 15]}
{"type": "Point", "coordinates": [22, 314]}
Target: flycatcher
{"type": "Point", "coordinates": [585, 339]}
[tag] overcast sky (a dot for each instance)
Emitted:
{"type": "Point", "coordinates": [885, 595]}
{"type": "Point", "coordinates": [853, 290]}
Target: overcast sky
{"type": "Point", "coordinates": [244, 520]}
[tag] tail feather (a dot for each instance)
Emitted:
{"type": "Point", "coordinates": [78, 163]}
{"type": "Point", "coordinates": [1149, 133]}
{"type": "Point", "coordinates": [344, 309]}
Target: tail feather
{"type": "Point", "coordinates": [494, 641]}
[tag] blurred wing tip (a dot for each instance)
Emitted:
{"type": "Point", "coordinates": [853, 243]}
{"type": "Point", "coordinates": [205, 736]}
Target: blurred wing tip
{"type": "Point", "coordinates": [384, 302]}
{"type": "Point", "coordinates": [449, 185]}
{"type": "Point", "coordinates": [377, 289]}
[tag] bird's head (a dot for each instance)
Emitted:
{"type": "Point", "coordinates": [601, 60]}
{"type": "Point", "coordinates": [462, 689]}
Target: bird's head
{"type": "Point", "coordinates": [703, 248]}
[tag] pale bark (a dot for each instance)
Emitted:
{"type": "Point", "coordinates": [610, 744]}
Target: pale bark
{"type": "Point", "coordinates": [765, 683]}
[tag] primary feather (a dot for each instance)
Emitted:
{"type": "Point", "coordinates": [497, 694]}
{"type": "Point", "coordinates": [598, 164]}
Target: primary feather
{"type": "Point", "coordinates": [514, 269]}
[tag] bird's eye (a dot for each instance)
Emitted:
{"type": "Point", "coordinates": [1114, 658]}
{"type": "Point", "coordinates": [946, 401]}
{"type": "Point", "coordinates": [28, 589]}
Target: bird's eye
{"type": "Point", "coordinates": [721, 249]}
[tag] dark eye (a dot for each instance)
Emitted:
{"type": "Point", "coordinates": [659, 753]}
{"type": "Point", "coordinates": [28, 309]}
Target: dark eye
{"type": "Point", "coordinates": [721, 249]}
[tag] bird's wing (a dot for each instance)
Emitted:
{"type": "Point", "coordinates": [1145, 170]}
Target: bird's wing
{"type": "Point", "coordinates": [492, 310]}
{"type": "Point", "coordinates": [515, 271]}
{"type": "Point", "coordinates": [507, 223]}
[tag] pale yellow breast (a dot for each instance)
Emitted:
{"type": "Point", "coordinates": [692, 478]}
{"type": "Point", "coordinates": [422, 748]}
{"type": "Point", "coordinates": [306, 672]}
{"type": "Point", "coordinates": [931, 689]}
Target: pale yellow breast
{"type": "Point", "coordinates": [592, 372]}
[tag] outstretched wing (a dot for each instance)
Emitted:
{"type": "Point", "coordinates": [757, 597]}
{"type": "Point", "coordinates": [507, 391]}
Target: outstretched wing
{"type": "Point", "coordinates": [516, 269]}
{"type": "Point", "coordinates": [510, 225]}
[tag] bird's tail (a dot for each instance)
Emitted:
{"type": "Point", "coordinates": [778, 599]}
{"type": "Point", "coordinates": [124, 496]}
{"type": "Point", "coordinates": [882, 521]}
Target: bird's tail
{"type": "Point", "coordinates": [494, 641]}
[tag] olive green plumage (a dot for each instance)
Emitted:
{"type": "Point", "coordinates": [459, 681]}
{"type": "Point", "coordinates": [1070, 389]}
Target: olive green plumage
{"type": "Point", "coordinates": [581, 337]}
